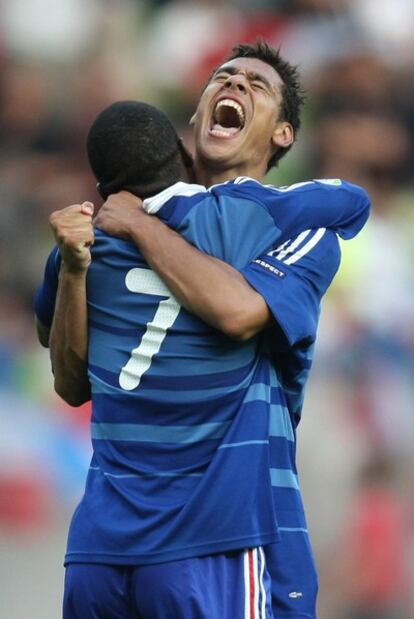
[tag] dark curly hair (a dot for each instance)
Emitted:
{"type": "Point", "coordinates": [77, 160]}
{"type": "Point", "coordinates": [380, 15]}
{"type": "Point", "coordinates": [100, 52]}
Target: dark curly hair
{"type": "Point", "coordinates": [293, 95]}
{"type": "Point", "coordinates": [133, 146]}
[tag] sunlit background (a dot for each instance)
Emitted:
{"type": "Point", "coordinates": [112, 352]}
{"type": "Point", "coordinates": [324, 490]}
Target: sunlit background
{"type": "Point", "coordinates": [61, 62]}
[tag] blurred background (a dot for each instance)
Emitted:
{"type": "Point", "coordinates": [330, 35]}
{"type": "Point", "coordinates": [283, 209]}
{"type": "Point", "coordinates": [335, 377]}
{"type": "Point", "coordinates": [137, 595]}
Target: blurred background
{"type": "Point", "coordinates": [61, 62]}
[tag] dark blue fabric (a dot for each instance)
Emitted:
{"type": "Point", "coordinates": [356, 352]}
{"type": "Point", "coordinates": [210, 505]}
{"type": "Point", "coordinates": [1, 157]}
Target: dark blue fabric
{"type": "Point", "coordinates": [208, 488]}
{"type": "Point", "coordinates": [211, 587]}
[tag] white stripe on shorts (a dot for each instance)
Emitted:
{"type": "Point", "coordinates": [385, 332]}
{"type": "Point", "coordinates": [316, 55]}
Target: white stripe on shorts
{"type": "Point", "coordinates": [261, 582]}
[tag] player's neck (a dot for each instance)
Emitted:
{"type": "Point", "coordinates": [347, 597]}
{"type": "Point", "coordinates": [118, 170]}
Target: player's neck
{"type": "Point", "coordinates": [208, 176]}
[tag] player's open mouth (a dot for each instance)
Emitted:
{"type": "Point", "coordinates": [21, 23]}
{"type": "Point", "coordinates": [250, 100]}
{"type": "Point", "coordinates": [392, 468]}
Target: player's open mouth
{"type": "Point", "coordinates": [228, 118]}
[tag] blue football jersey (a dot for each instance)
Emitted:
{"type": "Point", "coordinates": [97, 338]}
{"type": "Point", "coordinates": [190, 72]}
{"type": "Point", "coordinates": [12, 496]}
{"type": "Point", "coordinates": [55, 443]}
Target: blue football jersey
{"type": "Point", "coordinates": [193, 433]}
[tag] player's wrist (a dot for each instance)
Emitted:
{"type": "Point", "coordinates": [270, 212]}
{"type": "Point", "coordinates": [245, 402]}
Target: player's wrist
{"type": "Point", "coordinates": [74, 269]}
{"type": "Point", "coordinates": [141, 226]}
{"type": "Point", "coordinates": [134, 222]}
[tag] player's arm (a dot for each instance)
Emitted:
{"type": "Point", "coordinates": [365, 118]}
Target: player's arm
{"type": "Point", "coordinates": [206, 286]}
{"type": "Point", "coordinates": [45, 297]}
{"type": "Point", "coordinates": [293, 280]}
{"type": "Point", "coordinates": [73, 231]}
{"type": "Point", "coordinates": [68, 339]}
{"type": "Point", "coordinates": [220, 222]}
{"type": "Point", "coordinates": [45, 304]}
{"type": "Point", "coordinates": [331, 203]}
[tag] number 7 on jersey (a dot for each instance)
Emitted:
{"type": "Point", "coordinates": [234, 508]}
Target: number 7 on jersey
{"type": "Point", "coordinates": [145, 281]}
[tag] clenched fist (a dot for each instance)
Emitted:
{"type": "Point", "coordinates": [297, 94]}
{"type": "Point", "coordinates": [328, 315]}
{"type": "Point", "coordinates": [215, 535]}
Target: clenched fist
{"type": "Point", "coordinates": [73, 230]}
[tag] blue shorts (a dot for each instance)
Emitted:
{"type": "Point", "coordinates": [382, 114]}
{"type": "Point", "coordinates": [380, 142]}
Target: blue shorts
{"type": "Point", "coordinates": [225, 586]}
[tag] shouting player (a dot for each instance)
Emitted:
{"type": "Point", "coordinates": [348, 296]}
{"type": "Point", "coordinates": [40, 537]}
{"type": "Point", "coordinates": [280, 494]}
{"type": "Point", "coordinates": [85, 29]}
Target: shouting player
{"type": "Point", "coordinates": [194, 461]}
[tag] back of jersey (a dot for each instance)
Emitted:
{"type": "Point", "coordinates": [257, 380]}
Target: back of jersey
{"type": "Point", "coordinates": [192, 431]}
{"type": "Point", "coordinates": [145, 350]}
{"type": "Point", "coordinates": [169, 397]}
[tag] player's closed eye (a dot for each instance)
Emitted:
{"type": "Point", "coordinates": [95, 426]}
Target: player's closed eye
{"type": "Point", "coordinates": [221, 77]}
{"type": "Point", "coordinates": [261, 84]}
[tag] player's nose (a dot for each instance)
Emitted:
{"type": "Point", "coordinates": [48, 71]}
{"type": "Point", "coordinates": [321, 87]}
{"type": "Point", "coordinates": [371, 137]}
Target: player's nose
{"type": "Point", "coordinates": [236, 82]}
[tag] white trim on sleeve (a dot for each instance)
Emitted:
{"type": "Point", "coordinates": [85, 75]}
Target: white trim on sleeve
{"type": "Point", "coordinates": [289, 249]}
{"type": "Point", "coordinates": [307, 247]}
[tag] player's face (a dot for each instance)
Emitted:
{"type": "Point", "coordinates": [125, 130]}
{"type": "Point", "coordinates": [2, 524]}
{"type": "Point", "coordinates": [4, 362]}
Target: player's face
{"type": "Point", "coordinates": [237, 122]}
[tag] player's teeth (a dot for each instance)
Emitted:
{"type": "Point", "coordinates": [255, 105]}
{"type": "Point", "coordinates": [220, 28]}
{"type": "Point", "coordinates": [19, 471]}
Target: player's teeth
{"type": "Point", "coordinates": [233, 104]}
{"type": "Point", "coordinates": [222, 132]}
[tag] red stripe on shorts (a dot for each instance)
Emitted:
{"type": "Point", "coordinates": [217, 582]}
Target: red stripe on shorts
{"type": "Point", "coordinates": [252, 585]}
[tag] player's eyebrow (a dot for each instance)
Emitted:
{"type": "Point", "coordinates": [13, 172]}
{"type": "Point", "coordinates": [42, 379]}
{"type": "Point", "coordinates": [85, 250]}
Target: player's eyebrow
{"type": "Point", "coordinates": [253, 76]}
{"type": "Point", "coordinates": [226, 69]}
{"type": "Point", "coordinates": [258, 77]}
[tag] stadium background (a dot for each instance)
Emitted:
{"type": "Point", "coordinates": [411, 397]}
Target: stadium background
{"type": "Point", "coordinates": [62, 61]}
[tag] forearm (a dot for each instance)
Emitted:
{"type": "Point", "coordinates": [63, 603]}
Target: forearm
{"type": "Point", "coordinates": [69, 338]}
{"type": "Point", "coordinates": [206, 286]}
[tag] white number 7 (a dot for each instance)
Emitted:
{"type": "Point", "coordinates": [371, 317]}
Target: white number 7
{"type": "Point", "coordinates": [148, 282]}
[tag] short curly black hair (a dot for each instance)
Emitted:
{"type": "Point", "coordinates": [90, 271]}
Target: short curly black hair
{"type": "Point", "coordinates": [293, 95]}
{"type": "Point", "coordinates": [133, 146]}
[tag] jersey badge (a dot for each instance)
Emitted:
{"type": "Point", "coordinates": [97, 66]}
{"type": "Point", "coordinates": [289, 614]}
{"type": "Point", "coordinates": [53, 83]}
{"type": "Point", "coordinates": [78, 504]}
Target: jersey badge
{"type": "Point", "coordinates": [270, 267]}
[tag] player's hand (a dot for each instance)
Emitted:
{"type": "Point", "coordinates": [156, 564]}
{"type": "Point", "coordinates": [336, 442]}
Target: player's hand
{"type": "Point", "coordinates": [73, 230]}
{"type": "Point", "coordinates": [120, 214]}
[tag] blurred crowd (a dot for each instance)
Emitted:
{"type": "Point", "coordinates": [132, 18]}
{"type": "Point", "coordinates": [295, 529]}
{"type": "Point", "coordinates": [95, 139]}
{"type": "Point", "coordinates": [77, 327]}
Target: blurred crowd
{"type": "Point", "coordinates": [61, 62]}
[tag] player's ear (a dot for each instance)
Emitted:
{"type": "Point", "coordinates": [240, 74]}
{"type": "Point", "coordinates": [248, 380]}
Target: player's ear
{"type": "Point", "coordinates": [283, 135]}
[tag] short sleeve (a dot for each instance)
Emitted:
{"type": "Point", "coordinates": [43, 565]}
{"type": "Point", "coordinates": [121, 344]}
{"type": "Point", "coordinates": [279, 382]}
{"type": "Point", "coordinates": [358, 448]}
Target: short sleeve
{"type": "Point", "coordinates": [45, 296]}
{"type": "Point", "coordinates": [328, 203]}
{"type": "Point", "coordinates": [293, 279]}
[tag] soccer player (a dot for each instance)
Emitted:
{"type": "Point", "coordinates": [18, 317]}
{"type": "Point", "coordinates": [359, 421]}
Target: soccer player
{"type": "Point", "coordinates": [251, 389]}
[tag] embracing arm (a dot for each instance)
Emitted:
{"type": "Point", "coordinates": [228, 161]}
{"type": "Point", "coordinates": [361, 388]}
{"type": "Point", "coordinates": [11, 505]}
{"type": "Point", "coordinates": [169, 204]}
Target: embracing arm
{"type": "Point", "coordinates": [213, 290]}
{"type": "Point", "coordinates": [69, 332]}
{"type": "Point", "coordinates": [206, 286]}
{"type": "Point", "coordinates": [69, 339]}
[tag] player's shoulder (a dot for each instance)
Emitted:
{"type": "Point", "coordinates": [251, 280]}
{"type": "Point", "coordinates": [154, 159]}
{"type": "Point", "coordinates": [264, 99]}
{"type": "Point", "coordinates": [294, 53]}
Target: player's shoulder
{"type": "Point", "coordinates": [311, 187]}
{"type": "Point", "coordinates": [307, 185]}
{"type": "Point", "coordinates": [319, 185]}
{"type": "Point", "coordinates": [240, 182]}
{"type": "Point", "coordinates": [243, 187]}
